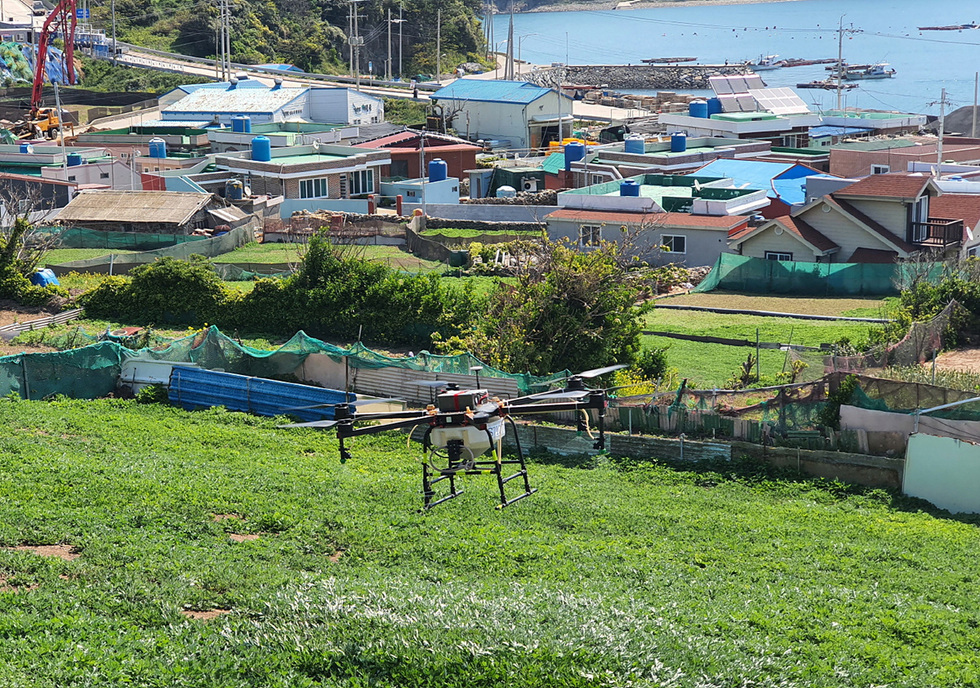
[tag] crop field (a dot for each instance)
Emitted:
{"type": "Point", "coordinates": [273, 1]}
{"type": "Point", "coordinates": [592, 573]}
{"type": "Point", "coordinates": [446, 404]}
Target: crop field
{"type": "Point", "coordinates": [711, 365]}
{"type": "Point", "coordinates": [66, 255]}
{"type": "Point", "coordinates": [851, 307]}
{"type": "Point", "coordinates": [144, 545]}
{"type": "Point", "coordinates": [394, 256]}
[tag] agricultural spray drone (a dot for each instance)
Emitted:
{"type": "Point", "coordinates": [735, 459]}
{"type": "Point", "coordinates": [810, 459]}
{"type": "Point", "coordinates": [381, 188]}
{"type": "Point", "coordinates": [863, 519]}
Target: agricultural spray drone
{"type": "Point", "coordinates": [462, 425]}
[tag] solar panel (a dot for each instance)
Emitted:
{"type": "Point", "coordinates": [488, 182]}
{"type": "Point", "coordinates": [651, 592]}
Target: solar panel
{"type": "Point", "coordinates": [780, 101]}
{"type": "Point", "coordinates": [721, 85]}
{"type": "Point", "coordinates": [746, 103]}
{"type": "Point", "coordinates": [754, 81]}
{"type": "Point", "coordinates": [729, 103]}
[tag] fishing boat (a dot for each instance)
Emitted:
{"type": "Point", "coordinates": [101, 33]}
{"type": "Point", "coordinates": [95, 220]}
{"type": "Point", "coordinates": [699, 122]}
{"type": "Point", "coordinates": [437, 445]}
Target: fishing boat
{"type": "Point", "coordinates": [765, 62]}
{"type": "Point", "coordinates": [826, 84]}
{"type": "Point", "coordinates": [802, 62]}
{"type": "Point", "coordinates": [879, 70]}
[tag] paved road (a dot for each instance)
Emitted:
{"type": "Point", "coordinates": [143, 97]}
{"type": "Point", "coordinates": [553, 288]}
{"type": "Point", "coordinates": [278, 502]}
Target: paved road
{"type": "Point", "coordinates": [581, 110]}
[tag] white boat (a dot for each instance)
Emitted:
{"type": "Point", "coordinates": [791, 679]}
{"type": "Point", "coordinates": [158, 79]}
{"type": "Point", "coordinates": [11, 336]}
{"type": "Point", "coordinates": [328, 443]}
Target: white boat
{"type": "Point", "coordinates": [879, 70]}
{"type": "Point", "coordinates": [764, 63]}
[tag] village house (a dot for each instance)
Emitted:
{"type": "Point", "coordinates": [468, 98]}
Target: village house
{"type": "Point", "coordinates": [874, 220]}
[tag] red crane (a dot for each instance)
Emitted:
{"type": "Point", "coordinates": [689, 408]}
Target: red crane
{"type": "Point", "coordinates": [62, 19]}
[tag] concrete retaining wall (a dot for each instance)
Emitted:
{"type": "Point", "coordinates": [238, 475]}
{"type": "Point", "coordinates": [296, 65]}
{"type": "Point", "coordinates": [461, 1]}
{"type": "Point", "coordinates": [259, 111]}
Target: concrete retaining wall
{"type": "Point", "coordinates": [859, 469]}
{"type": "Point", "coordinates": [488, 213]}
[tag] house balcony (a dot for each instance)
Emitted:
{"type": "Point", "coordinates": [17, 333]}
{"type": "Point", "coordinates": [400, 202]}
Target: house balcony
{"type": "Point", "coordinates": [937, 233]}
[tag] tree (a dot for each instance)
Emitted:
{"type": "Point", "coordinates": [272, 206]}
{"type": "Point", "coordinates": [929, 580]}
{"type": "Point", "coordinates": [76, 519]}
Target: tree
{"type": "Point", "coordinates": [569, 309]}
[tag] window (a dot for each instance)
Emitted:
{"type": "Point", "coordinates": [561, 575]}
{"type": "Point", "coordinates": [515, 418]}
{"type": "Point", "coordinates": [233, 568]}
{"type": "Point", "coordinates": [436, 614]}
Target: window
{"type": "Point", "coordinates": [596, 179]}
{"type": "Point", "coordinates": [103, 175]}
{"type": "Point", "coordinates": [313, 188]}
{"type": "Point", "coordinates": [778, 255]}
{"type": "Point", "coordinates": [920, 216]}
{"type": "Point", "coordinates": [361, 182]}
{"type": "Point", "coordinates": [71, 177]}
{"type": "Point", "coordinates": [880, 169]}
{"type": "Point", "coordinates": [589, 235]}
{"type": "Point", "coordinates": [675, 243]}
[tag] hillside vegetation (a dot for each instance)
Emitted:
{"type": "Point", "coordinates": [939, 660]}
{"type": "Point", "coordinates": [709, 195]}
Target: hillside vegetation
{"type": "Point", "coordinates": [318, 573]}
{"type": "Point", "coordinates": [311, 35]}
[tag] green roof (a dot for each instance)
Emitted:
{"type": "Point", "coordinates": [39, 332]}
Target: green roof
{"type": "Point", "coordinates": [884, 144]}
{"type": "Point", "coordinates": [554, 163]}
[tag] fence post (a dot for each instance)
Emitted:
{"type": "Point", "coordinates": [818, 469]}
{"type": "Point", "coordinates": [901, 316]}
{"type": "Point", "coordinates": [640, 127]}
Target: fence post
{"type": "Point", "coordinates": [371, 206]}
{"type": "Point", "coordinates": [398, 205]}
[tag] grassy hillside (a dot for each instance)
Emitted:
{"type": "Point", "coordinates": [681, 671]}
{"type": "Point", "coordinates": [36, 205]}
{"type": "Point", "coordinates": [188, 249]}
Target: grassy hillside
{"type": "Point", "coordinates": [317, 573]}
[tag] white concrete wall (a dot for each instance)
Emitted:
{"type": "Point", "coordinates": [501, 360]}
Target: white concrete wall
{"type": "Point", "coordinates": [944, 471]}
{"type": "Point", "coordinates": [344, 106]}
{"type": "Point", "coordinates": [119, 176]}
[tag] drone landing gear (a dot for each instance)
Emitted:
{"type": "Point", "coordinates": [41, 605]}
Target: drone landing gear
{"type": "Point", "coordinates": [461, 462]}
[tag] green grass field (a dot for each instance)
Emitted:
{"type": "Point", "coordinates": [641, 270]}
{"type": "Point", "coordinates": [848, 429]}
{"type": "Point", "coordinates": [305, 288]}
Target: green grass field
{"type": "Point", "coordinates": [853, 307]}
{"type": "Point", "coordinates": [711, 365]}
{"type": "Point", "coordinates": [624, 574]}
{"type": "Point", "coordinates": [66, 255]}
{"type": "Point", "coordinates": [394, 256]}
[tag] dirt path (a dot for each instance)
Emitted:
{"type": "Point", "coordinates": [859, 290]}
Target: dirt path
{"type": "Point", "coordinates": [962, 359]}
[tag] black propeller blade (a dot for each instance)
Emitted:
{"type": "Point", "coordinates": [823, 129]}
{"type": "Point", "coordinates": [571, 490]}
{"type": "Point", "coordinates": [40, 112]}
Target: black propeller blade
{"type": "Point", "coordinates": [355, 404]}
{"type": "Point", "coordinates": [324, 424]}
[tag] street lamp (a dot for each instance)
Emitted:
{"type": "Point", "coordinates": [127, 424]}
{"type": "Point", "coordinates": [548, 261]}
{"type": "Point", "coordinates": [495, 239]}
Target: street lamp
{"type": "Point", "coordinates": [520, 42]}
{"type": "Point", "coordinates": [496, 63]}
{"type": "Point", "coordinates": [398, 21]}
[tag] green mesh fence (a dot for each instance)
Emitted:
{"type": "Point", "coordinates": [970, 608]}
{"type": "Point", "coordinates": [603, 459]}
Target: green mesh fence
{"type": "Point", "coordinates": [879, 394]}
{"type": "Point", "coordinates": [760, 276]}
{"type": "Point", "coordinates": [112, 264]}
{"type": "Point", "coordinates": [78, 237]}
{"type": "Point", "coordinates": [92, 370]}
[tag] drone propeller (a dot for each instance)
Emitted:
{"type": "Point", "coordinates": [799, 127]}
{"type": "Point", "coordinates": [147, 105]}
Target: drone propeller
{"type": "Point", "coordinates": [355, 404]}
{"type": "Point", "coordinates": [559, 394]}
{"type": "Point", "coordinates": [325, 424]}
{"type": "Point", "coordinates": [596, 372]}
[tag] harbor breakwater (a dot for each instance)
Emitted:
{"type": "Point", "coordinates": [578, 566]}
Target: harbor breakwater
{"type": "Point", "coordinates": [632, 77]}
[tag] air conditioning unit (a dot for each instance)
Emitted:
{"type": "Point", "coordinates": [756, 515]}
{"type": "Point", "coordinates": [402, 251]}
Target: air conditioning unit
{"type": "Point", "coordinates": [529, 184]}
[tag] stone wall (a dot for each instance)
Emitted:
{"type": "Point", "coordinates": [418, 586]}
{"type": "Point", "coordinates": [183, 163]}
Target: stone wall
{"type": "Point", "coordinates": [644, 76]}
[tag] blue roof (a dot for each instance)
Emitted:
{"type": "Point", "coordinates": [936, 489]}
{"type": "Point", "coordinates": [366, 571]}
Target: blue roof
{"type": "Point", "coordinates": [223, 85]}
{"type": "Point", "coordinates": [785, 181]}
{"type": "Point", "coordinates": [830, 130]}
{"type": "Point", "coordinates": [486, 90]}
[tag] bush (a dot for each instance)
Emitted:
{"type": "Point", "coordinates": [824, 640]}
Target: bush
{"type": "Point", "coordinates": [652, 363]}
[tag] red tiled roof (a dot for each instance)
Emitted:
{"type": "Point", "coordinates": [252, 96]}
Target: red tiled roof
{"type": "Point", "coordinates": [964, 207]}
{"type": "Point", "coordinates": [904, 186]}
{"type": "Point", "coordinates": [725, 222]}
{"type": "Point", "coordinates": [794, 226]}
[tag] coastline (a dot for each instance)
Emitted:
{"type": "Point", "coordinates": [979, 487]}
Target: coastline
{"type": "Point", "coordinates": [641, 5]}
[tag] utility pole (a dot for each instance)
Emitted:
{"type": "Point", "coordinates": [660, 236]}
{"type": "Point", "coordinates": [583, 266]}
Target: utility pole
{"type": "Point", "coordinates": [400, 23]}
{"type": "Point", "coordinates": [439, 47]}
{"type": "Point", "coordinates": [388, 64]}
{"type": "Point", "coordinates": [509, 62]}
{"type": "Point", "coordinates": [113, 9]}
{"type": "Point", "coordinates": [840, 56]}
{"type": "Point", "coordinates": [355, 42]}
{"type": "Point", "coordinates": [976, 81]}
{"type": "Point", "coordinates": [942, 132]}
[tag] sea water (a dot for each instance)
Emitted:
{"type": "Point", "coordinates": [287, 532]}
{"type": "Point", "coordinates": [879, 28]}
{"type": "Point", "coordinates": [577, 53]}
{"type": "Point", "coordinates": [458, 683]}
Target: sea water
{"type": "Point", "coordinates": [883, 31]}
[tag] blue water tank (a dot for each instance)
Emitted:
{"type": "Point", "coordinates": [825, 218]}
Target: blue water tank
{"type": "Point", "coordinates": [698, 108]}
{"type": "Point", "coordinates": [234, 190]}
{"type": "Point", "coordinates": [237, 126]}
{"type": "Point", "coordinates": [438, 170]}
{"type": "Point", "coordinates": [74, 159]}
{"type": "Point", "coordinates": [44, 278]}
{"type": "Point", "coordinates": [629, 187]}
{"type": "Point", "coordinates": [246, 124]}
{"type": "Point", "coordinates": [574, 150]}
{"type": "Point", "coordinates": [26, 148]}
{"type": "Point", "coordinates": [714, 106]}
{"type": "Point", "coordinates": [261, 149]}
{"type": "Point", "coordinates": [158, 148]}
{"type": "Point", "coordinates": [678, 143]}
{"type": "Point", "coordinates": [635, 144]}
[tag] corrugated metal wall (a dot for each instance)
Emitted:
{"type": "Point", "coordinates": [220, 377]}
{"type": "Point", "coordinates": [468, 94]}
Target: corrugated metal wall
{"type": "Point", "coordinates": [193, 388]}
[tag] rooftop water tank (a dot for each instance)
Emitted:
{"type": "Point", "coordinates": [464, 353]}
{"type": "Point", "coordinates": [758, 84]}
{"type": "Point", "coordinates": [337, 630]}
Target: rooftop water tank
{"type": "Point", "coordinates": [678, 143]}
{"type": "Point", "coordinates": [714, 106]}
{"type": "Point", "coordinates": [74, 159]}
{"type": "Point", "coordinates": [438, 170]}
{"type": "Point", "coordinates": [629, 187]}
{"type": "Point", "coordinates": [635, 144]}
{"type": "Point", "coordinates": [158, 148]}
{"type": "Point", "coordinates": [574, 150]}
{"type": "Point", "coordinates": [506, 192]}
{"type": "Point", "coordinates": [241, 124]}
{"type": "Point", "coordinates": [698, 108]}
{"type": "Point", "coordinates": [234, 190]}
{"type": "Point", "coordinates": [261, 149]}
{"type": "Point", "coordinates": [26, 148]}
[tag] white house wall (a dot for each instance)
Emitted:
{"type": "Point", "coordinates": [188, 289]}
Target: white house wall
{"type": "Point", "coordinates": [756, 246]}
{"type": "Point", "coordinates": [843, 232]}
{"type": "Point", "coordinates": [509, 121]}
{"type": "Point", "coordinates": [944, 471]}
{"type": "Point", "coordinates": [344, 106]}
